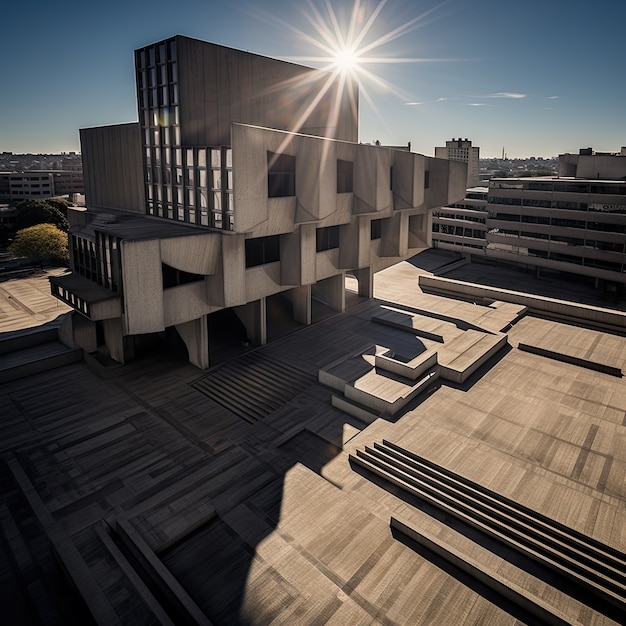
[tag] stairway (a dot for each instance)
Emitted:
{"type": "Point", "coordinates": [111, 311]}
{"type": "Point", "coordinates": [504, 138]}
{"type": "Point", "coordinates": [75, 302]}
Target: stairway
{"type": "Point", "coordinates": [253, 386]}
{"type": "Point", "coordinates": [596, 567]}
{"type": "Point", "coordinates": [27, 352]}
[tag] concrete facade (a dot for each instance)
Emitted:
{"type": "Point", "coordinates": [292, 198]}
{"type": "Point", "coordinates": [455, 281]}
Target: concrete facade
{"type": "Point", "coordinates": [242, 180]}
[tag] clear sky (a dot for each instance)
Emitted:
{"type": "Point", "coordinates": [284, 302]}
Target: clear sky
{"type": "Point", "coordinates": [537, 77]}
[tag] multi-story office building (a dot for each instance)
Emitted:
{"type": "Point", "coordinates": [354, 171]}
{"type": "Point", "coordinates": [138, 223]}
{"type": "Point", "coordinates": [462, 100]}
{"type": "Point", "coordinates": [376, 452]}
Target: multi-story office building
{"type": "Point", "coordinates": [16, 186]}
{"type": "Point", "coordinates": [463, 151]}
{"type": "Point", "coordinates": [242, 188]}
{"type": "Point", "coordinates": [463, 225]}
{"type": "Point", "coordinates": [575, 222]}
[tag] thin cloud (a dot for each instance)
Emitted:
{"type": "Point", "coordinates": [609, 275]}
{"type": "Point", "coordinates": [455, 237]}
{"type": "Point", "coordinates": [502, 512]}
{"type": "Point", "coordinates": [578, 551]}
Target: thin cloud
{"type": "Point", "coordinates": [426, 102]}
{"type": "Point", "coordinates": [478, 104]}
{"type": "Point", "coordinates": [507, 94]}
{"type": "Point", "coordinates": [553, 97]}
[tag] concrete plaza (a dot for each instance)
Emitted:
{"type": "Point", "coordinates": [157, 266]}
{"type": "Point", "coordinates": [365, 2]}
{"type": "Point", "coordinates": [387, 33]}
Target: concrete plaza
{"type": "Point", "coordinates": [238, 482]}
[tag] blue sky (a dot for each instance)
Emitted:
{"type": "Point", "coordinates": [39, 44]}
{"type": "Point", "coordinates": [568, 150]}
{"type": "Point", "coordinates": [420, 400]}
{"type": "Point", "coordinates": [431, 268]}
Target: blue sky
{"type": "Point", "coordinates": [539, 77]}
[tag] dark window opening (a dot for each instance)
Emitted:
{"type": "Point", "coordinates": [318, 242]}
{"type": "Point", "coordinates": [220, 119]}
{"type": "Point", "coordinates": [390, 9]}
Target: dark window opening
{"type": "Point", "coordinates": [426, 179]}
{"type": "Point", "coordinates": [345, 174]}
{"type": "Point", "coordinates": [262, 250]}
{"type": "Point", "coordinates": [281, 175]}
{"type": "Point", "coordinates": [376, 229]}
{"type": "Point", "coordinates": [327, 238]}
{"type": "Point", "coordinates": [173, 277]}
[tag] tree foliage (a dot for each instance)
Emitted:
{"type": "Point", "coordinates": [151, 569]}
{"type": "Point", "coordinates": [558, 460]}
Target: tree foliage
{"type": "Point", "coordinates": [34, 211]}
{"type": "Point", "coordinates": [41, 242]}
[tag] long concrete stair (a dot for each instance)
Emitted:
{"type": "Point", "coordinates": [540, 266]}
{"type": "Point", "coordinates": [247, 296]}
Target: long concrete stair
{"type": "Point", "coordinates": [596, 567]}
{"type": "Point", "coordinates": [252, 386]}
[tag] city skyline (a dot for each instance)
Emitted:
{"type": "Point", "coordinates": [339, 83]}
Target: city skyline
{"type": "Point", "coordinates": [534, 83]}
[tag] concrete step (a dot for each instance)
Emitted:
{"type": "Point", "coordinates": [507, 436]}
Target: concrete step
{"type": "Point", "coordinates": [37, 358]}
{"type": "Point", "coordinates": [596, 567]}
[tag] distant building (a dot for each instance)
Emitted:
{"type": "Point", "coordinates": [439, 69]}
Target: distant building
{"type": "Point", "coordinates": [242, 189]}
{"type": "Point", "coordinates": [16, 186]}
{"type": "Point", "coordinates": [463, 151]}
{"type": "Point", "coordinates": [575, 222]}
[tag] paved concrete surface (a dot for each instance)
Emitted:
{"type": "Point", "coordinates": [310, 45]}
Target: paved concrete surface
{"type": "Point", "coordinates": [264, 520]}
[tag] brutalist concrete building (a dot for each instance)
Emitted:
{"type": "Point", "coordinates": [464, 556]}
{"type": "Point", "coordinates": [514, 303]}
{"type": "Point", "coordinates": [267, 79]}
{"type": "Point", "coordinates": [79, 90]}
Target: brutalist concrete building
{"type": "Point", "coordinates": [242, 188]}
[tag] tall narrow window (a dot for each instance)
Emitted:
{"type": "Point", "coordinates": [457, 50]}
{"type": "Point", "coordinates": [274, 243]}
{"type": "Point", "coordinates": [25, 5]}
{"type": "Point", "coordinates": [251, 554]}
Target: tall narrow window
{"type": "Point", "coordinates": [376, 229]}
{"type": "Point", "coordinates": [345, 171]}
{"type": "Point", "coordinates": [281, 175]}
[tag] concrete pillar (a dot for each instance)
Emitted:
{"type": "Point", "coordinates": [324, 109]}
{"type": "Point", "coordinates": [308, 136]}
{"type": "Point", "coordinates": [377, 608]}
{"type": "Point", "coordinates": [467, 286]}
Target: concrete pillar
{"type": "Point", "coordinates": [332, 291]}
{"type": "Point", "coordinates": [114, 339]}
{"type": "Point", "coordinates": [84, 333]}
{"type": "Point", "coordinates": [301, 299]}
{"type": "Point", "coordinates": [254, 317]}
{"type": "Point", "coordinates": [195, 334]}
{"type": "Point", "coordinates": [365, 278]}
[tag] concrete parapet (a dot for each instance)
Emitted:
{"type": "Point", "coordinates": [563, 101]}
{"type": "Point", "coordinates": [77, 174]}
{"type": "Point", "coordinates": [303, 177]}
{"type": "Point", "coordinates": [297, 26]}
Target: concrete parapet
{"type": "Point", "coordinates": [597, 316]}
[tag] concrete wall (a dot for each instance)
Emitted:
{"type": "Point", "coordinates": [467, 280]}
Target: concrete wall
{"type": "Point", "coordinates": [113, 167]}
{"type": "Point", "coordinates": [225, 85]}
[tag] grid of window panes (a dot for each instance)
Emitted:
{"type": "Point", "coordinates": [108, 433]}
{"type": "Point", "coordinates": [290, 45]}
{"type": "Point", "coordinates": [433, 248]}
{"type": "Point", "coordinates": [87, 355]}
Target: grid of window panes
{"type": "Point", "coordinates": [107, 251]}
{"type": "Point", "coordinates": [186, 184]}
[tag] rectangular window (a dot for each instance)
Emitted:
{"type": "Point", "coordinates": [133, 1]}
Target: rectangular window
{"type": "Point", "coordinates": [426, 179]}
{"type": "Point", "coordinates": [262, 250]}
{"type": "Point", "coordinates": [327, 238]}
{"type": "Point", "coordinates": [376, 229]}
{"type": "Point", "coordinates": [345, 171]}
{"type": "Point", "coordinates": [281, 175]}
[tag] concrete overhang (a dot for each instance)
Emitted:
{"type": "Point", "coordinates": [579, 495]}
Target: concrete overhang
{"type": "Point", "coordinates": [88, 298]}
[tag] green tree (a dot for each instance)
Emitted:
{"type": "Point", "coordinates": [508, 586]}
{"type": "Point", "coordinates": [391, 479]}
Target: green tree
{"type": "Point", "coordinates": [41, 242]}
{"type": "Point", "coordinates": [35, 211]}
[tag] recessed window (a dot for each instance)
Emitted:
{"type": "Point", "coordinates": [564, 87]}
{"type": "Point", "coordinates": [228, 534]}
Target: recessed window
{"type": "Point", "coordinates": [345, 171]}
{"type": "Point", "coordinates": [376, 229]}
{"type": "Point", "coordinates": [173, 277]}
{"type": "Point", "coordinates": [262, 250]}
{"type": "Point", "coordinates": [327, 238]}
{"type": "Point", "coordinates": [281, 175]}
{"type": "Point", "coordinates": [426, 179]}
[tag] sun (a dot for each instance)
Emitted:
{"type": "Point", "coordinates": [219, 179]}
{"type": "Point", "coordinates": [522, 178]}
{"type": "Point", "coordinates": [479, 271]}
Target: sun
{"type": "Point", "coordinates": [346, 61]}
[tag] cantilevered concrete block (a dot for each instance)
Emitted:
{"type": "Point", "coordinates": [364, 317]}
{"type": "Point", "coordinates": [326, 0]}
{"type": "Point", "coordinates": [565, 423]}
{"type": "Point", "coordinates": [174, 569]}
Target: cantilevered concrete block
{"type": "Point", "coordinates": [372, 172]}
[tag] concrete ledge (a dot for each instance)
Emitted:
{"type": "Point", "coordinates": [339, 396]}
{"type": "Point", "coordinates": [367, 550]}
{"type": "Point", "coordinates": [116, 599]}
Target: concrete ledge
{"type": "Point", "coordinates": [597, 316]}
{"type": "Point", "coordinates": [397, 393]}
{"type": "Point", "coordinates": [167, 584]}
{"type": "Point", "coordinates": [460, 367]}
{"type": "Point", "coordinates": [573, 360]}
{"type": "Point", "coordinates": [523, 598]}
{"type": "Point", "coordinates": [68, 556]}
{"type": "Point", "coordinates": [64, 356]}
{"type": "Point", "coordinates": [352, 408]}
{"type": "Point", "coordinates": [11, 342]}
{"type": "Point", "coordinates": [411, 369]}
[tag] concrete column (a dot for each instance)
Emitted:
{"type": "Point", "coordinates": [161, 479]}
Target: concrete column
{"type": "Point", "coordinates": [254, 317]}
{"type": "Point", "coordinates": [365, 278]}
{"type": "Point", "coordinates": [301, 299]}
{"type": "Point", "coordinates": [114, 339]}
{"type": "Point", "coordinates": [332, 291]}
{"type": "Point", "coordinates": [84, 333]}
{"type": "Point", "coordinates": [195, 334]}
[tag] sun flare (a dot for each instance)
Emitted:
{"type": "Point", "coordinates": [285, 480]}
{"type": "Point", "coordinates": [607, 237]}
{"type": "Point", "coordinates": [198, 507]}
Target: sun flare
{"type": "Point", "coordinates": [346, 61]}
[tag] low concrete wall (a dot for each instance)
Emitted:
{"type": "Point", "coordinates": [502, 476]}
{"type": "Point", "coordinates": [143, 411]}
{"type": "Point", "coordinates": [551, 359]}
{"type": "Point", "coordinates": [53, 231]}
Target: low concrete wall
{"type": "Point", "coordinates": [567, 358]}
{"type": "Point", "coordinates": [597, 316]}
